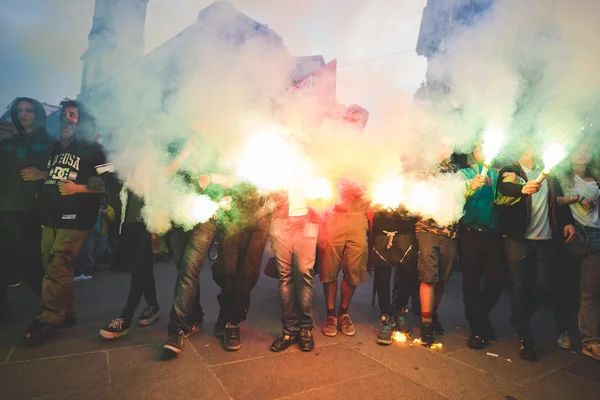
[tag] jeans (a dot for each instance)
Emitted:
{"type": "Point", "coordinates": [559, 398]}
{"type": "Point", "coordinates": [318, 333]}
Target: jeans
{"type": "Point", "coordinates": [142, 274]}
{"type": "Point", "coordinates": [94, 247]}
{"type": "Point", "coordinates": [585, 250]}
{"type": "Point", "coordinates": [237, 271]}
{"type": "Point", "coordinates": [530, 265]}
{"type": "Point", "coordinates": [189, 251]}
{"type": "Point", "coordinates": [60, 248]}
{"type": "Point", "coordinates": [404, 275]}
{"type": "Point", "coordinates": [481, 256]}
{"type": "Point", "coordinates": [294, 242]}
{"type": "Point", "coordinates": [20, 237]}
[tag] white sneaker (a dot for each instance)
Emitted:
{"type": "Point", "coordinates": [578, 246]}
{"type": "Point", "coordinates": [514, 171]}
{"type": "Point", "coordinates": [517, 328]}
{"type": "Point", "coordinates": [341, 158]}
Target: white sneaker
{"type": "Point", "coordinates": [564, 341]}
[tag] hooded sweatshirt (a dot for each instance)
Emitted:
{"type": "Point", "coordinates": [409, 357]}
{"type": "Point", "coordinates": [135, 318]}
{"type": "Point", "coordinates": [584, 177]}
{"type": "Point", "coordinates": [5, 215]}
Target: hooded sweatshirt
{"type": "Point", "coordinates": [76, 162]}
{"type": "Point", "coordinates": [21, 151]}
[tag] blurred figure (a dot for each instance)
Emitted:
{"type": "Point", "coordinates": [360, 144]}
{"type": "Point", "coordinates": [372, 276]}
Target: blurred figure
{"type": "Point", "coordinates": [23, 160]}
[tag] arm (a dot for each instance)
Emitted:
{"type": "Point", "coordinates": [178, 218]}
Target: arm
{"type": "Point", "coordinates": [506, 187]}
{"type": "Point", "coordinates": [473, 181]}
{"type": "Point", "coordinates": [564, 217]}
{"type": "Point", "coordinates": [566, 200]}
{"type": "Point", "coordinates": [94, 185]}
{"type": "Point", "coordinates": [33, 174]}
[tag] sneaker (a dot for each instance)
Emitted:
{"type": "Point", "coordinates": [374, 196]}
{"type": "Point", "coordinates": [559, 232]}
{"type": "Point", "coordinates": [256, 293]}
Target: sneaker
{"type": "Point", "coordinates": [564, 341]}
{"type": "Point", "coordinates": [527, 350]}
{"type": "Point", "coordinates": [330, 326]}
{"type": "Point", "coordinates": [232, 341]}
{"type": "Point", "coordinates": [437, 326]}
{"type": "Point", "coordinates": [387, 331]}
{"type": "Point", "coordinates": [68, 322]}
{"type": "Point", "coordinates": [174, 343]}
{"type": "Point", "coordinates": [82, 277]}
{"type": "Point", "coordinates": [149, 315]}
{"type": "Point", "coordinates": [306, 342]}
{"type": "Point", "coordinates": [346, 325]}
{"type": "Point", "coordinates": [38, 333]}
{"type": "Point", "coordinates": [489, 334]}
{"type": "Point", "coordinates": [427, 338]}
{"type": "Point", "coordinates": [476, 342]}
{"type": "Point", "coordinates": [282, 342]}
{"type": "Point", "coordinates": [196, 327]}
{"type": "Point", "coordinates": [592, 350]}
{"type": "Point", "coordinates": [402, 321]}
{"type": "Point", "coordinates": [14, 284]}
{"type": "Point", "coordinates": [115, 329]}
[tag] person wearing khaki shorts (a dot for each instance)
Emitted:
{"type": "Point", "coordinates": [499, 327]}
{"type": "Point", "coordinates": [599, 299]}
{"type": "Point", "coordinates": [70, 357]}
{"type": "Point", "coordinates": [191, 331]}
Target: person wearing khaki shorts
{"type": "Point", "coordinates": [342, 246]}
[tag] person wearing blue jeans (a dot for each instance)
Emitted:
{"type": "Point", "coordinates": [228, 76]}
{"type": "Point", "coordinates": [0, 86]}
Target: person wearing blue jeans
{"type": "Point", "coordinates": [581, 194]}
{"type": "Point", "coordinates": [533, 229]}
{"type": "Point", "coordinates": [294, 233]}
{"type": "Point", "coordinates": [189, 253]}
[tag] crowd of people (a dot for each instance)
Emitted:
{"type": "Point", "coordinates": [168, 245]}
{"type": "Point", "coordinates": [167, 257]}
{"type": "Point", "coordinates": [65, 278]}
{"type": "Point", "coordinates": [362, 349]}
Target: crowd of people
{"type": "Point", "coordinates": [541, 240]}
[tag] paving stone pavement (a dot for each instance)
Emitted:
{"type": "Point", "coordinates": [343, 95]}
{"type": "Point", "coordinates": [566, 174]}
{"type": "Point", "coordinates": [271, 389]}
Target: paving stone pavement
{"type": "Point", "coordinates": [77, 364]}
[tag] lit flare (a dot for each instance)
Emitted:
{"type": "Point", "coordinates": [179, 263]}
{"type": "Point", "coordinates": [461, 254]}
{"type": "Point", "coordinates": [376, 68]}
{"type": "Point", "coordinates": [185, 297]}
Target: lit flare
{"type": "Point", "coordinates": [493, 139]}
{"type": "Point", "coordinates": [553, 155]}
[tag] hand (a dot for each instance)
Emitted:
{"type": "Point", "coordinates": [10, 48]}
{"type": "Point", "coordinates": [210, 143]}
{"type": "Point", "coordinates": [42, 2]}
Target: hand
{"type": "Point", "coordinates": [478, 182]}
{"type": "Point", "coordinates": [31, 174]}
{"type": "Point", "coordinates": [509, 177]}
{"type": "Point", "coordinates": [570, 233]}
{"type": "Point", "coordinates": [68, 188]}
{"type": "Point", "coordinates": [104, 212]}
{"type": "Point", "coordinates": [531, 187]}
{"type": "Point", "coordinates": [588, 204]}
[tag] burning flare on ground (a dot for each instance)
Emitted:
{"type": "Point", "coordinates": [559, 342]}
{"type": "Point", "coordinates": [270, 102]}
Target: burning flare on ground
{"type": "Point", "coordinates": [436, 345]}
{"type": "Point", "coordinates": [400, 337]}
{"type": "Point", "coordinates": [493, 139]}
{"type": "Point", "coordinates": [553, 155]}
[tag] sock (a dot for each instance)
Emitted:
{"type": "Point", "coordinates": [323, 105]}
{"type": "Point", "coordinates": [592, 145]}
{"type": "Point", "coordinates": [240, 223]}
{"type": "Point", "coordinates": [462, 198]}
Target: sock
{"type": "Point", "coordinates": [342, 311]}
{"type": "Point", "coordinates": [426, 317]}
{"type": "Point", "coordinates": [331, 312]}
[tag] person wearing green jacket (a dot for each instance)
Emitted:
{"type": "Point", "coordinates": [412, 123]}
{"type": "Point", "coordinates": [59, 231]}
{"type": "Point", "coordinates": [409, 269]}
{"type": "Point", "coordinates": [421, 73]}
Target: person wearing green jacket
{"type": "Point", "coordinates": [481, 249]}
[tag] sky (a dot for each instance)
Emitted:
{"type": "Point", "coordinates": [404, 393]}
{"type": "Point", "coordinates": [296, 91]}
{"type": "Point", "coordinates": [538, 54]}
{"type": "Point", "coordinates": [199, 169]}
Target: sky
{"type": "Point", "coordinates": [43, 41]}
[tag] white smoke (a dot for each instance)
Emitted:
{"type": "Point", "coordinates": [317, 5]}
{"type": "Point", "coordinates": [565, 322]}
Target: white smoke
{"type": "Point", "coordinates": [526, 67]}
{"type": "Point", "coordinates": [529, 67]}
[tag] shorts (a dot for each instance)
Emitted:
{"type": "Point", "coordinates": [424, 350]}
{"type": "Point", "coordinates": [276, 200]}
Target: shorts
{"type": "Point", "coordinates": [343, 246]}
{"type": "Point", "coordinates": [403, 249]}
{"type": "Point", "coordinates": [436, 257]}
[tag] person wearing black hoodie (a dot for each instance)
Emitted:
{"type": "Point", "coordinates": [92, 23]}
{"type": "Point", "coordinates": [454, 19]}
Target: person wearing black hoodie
{"type": "Point", "coordinates": [69, 203]}
{"type": "Point", "coordinates": [533, 229]}
{"type": "Point", "coordinates": [23, 157]}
